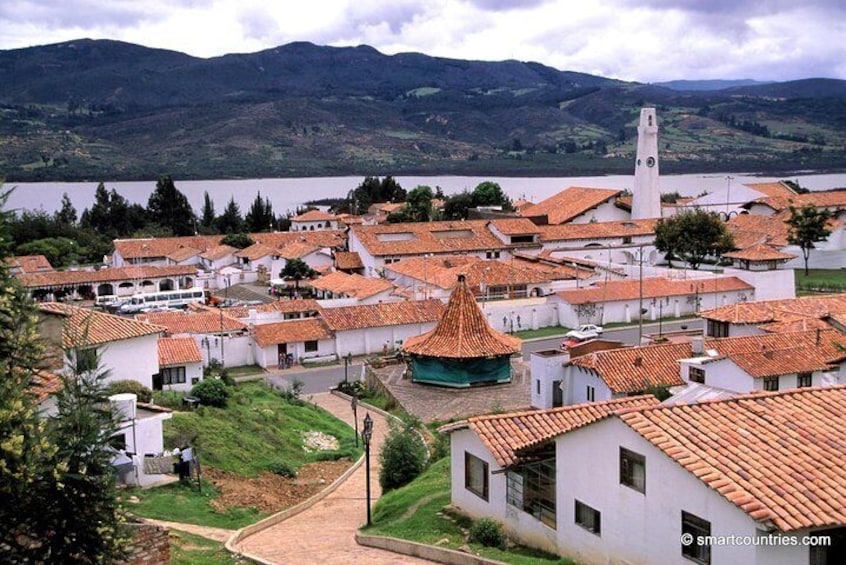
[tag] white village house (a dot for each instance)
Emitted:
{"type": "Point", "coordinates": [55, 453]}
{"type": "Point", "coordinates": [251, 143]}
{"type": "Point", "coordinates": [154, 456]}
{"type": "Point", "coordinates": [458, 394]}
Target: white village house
{"type": "Point", "coordinates": [724, 468]}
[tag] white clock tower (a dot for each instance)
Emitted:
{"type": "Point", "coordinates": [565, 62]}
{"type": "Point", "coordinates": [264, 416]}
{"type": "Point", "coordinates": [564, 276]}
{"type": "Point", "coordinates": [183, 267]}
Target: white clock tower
{"type": "Point", "coordinates": [646, 200]}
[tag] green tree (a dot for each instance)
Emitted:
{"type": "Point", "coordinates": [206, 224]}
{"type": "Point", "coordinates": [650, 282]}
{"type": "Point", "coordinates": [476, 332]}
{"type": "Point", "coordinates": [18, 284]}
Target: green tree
{"type": "Point", "coordinates": [67, 213]}
{"type": "Point", "coordinates": [84, 504]}
{"type": "Point", "coordinates": [418, 206]}
{"type": "Point", "coordinates": [370, 191]}
{"type": "Point", "coordinates": [807, 227]}
{"type": "Point", "coordinates": [170, 208]}
{"type": "Point", "coordinates": [207, 216]}
{"type": "Point", "coordinates": [230, 221]}
{"type": "Point", "coordinates": [490, 194]}
{"type": "Point", "coordinates": [458, 205]}
{"type": "Point", "coordinates": [26, 454]}
{"type": "Point", "coordinates": [693, 235]}
{"type": "Point", "coordinates": [297, 270]}
{"type": "Point", "coordinates": [98, 216]}
{"type": "Point", "coordinates": [239, 240]}
{"type": "Point", "coordinates": [260, 217]}
{"type": "Point", "coordinates": [60, 251]}
{"type": "Point", "coordinates": [403, 456]}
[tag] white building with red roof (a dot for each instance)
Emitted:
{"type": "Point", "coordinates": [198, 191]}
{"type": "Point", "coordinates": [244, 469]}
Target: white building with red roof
{"type": "Point", "coordinates": [741, 480]}
{"type": "Point", "coordinates": [180, 364]}
{"type": "Point", "coordinates": [314, 220]}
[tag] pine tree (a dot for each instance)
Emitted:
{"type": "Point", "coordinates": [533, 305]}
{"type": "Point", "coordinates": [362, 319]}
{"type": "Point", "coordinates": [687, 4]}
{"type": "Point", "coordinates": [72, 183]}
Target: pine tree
{"type": "Point", "coordinates": [230, 221]}
{"type": "Point", "coordinates": [170, 208]}
{"type": "Point", "coordinates": [260, 217]}
{"type": "Point", "coordinates": [67, 214]}
{"type": "Point", "coordinates": [807, 226]}
{"type": "Point", "coordinates": [207, 214]}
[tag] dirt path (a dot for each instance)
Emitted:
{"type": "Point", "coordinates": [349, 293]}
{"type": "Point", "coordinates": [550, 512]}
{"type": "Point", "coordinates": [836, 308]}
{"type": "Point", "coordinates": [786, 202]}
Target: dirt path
{"type": "Point", "coordinates": [325, 532]}
{"type": "Point", "coordinates": [216, 534]}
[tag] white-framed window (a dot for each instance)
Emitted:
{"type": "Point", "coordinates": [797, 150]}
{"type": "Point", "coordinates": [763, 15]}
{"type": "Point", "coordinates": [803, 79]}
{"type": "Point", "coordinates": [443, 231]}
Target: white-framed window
{"type": "Point", "coordinates": [476, 475]}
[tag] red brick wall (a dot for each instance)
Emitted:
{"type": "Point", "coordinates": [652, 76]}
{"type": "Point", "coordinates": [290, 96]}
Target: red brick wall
{"type": "Point", "coordinates": [149, 546]}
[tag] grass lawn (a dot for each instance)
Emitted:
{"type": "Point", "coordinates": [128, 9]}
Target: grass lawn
{"type": "Point", "coordinates": [188, 549]}
{"type": "Point", "coordinates": [824, 280]}
{"type": "Point", "coordinates": [259, 429]}
{"type": "Point", "coordinates": [244, 370]}
{"type": "Point", "coordinates": [551, 331]}
{"type": "Point", "coordinates": [414, 512]}
{"type": "Point", "coordinates": [181, 503]}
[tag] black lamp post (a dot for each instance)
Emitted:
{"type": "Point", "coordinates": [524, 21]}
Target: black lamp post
{"type": "Point", "coordinates": [366, 434]}
{"type": "Point", "coordinates": [354, 405]}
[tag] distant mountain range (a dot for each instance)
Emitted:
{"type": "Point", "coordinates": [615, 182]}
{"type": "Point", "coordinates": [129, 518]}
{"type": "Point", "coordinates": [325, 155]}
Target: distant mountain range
{"type": "Point", "coordinates": [92, 110]}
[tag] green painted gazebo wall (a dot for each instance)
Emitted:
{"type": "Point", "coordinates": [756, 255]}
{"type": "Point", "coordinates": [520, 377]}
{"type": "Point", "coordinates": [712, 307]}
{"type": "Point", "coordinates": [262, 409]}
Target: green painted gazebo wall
{"type": "Point", "coordinates": [460, 372]}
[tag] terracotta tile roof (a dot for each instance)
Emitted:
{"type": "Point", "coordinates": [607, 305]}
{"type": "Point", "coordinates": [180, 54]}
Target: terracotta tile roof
{"type": "Point", "coordinates": [89, 327]}
{"type": "Point", "coordinates": [637, 368]}
{"type": "Point", "coordinates": [516, 226]}
{"type": "Point", "coordinates": [296, 306]}
{"type": "Point", "coordinates": [29, 263]}
{"type": "Point", "coordinates": [612, 291]}
{"type": "Point", "coordinates": [598, 230]}
{"type": "Point", "coordinates": [773, 189]}
{"type": "Point", "coordinates": [183, 253]}
{"type": "Point", "coordinates": [385, 314]}
{"type": "Point", "coordinates": [825, 199]}
{"type": "Point", "coordinates": [521, 204]}
{"type": "Point", "coordinates": [296, 250]}
{"type": "Point", "coordinates": [462, 332]}
{"type": "Point", "coordinates": [799, 324]}
{"type": "Point", "coordinates": [178, 351]}
{"type": "Point", "coordinates": [346, 260]}
{"type": "Point", "coordinates": [293, 331]}
{"type": "Point", "coordinates": [767, 311]}
{"type": "Point", "coordinates": [318, 238]}
{"type": "Point", "coordinates": [114, 274]}
{"type": "Point", "coordinates": [507, 435]}
{"type": "Point", "coordinates": [314, 216]}
{"type": "Point", "coordinates": [255, 251]}
{"type": "Point", "coordinates": [352, 285]}
{"type": "Point", "coordinates": [778, 457]}
{"type": "Point", "coordinates": [752, 229]}
{"type": "Point", "coordinates": [760, 252]}
{"type": "Point", "coordinates": [634, 369]}
{"type": "Point", "coordinates": [163, 246]}
{"type": "Point", "coordinates": [218, 252]}
{"type": "Point", "coordinates": [570, 202]}
{"type": "Point", "coordinates": [199, 322]}
{"type": "Point", "coordinates": [417, 238]}
{"type": "Point", "coordinates": [443, 271]}
{"type": "Point", "coordinates": [44, 384]}
{"type": "Point", "coordinates": [781, 362]}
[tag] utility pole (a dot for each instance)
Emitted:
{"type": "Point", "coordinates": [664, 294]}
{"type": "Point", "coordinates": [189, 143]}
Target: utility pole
{"type": "Point", "coordinates": [640, 308]}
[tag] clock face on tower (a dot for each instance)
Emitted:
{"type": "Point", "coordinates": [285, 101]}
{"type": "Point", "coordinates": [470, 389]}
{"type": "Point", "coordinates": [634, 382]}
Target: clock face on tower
{"type": "Point", "coordinates": [650, 161]}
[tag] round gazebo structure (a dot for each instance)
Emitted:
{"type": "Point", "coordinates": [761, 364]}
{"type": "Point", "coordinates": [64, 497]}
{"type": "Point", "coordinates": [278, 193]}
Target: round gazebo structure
{"type": "Point", "coordinates": [463, 350]}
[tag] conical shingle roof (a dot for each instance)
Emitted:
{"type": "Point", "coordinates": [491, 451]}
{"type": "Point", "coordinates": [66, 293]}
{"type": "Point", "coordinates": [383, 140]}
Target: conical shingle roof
{"type": "Point", "coordinates": [463, 332]}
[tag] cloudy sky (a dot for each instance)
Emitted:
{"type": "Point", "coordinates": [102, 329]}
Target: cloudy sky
{"type": "Point", "coordinates": [639, 40]}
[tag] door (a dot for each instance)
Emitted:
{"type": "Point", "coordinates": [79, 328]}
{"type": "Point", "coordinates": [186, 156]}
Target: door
{"type": "Point", "coordinates": [157, 381]}
{"type": "Point", "coordinates": [281, 354]}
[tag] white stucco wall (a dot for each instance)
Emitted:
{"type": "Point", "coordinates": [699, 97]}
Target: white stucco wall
{"type": "Point", "coordinates": [267, 357]}
{"type": "Point", "coordinates": [547, 369]}
{"type": "Point", "coordinates": [576, 382]}
{"type": "Point", "coordinates": [135, 359]}
{"type": "Point", "coordinates": [373, 340]}
{"type": "Point", "coordinates": [636, 527]}
{"type": "Point", "coordinates": [605, 212]}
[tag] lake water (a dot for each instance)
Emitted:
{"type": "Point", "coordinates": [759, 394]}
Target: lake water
{"type": "Point", "coordinates": [288, 193]}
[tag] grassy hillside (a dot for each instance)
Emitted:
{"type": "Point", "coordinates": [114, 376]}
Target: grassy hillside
{"type": "Point", "coordinates": [111, 110]}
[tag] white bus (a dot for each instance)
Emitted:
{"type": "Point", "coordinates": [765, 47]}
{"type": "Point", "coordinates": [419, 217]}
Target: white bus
{"type": "Point", "coordinates": [165, 299]}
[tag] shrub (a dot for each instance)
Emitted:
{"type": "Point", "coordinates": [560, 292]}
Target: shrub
{"type": "Point", "coordinates": [134, 387]}
{"type": "Point", "coordinates": [282, 468]}
{"type": "Point", "coordinates": [487, 532]}
{"type": "Point", "coordinates": [292, 392]}
{"type": "Point", "coordinates": [402, 458]}
{"type": "Point", "coordinates": [212, 392]}
{"type": "Point", "coordinates": [353, 388]}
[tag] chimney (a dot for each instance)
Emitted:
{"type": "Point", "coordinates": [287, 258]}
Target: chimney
{"type": "Point", "coordinates": [697, 346]}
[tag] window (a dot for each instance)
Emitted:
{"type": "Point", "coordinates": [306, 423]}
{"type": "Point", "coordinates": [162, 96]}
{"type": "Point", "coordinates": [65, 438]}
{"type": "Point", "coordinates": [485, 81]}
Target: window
{"type": "Point", "coordinates": [85, 360]}
{"type": "Point", "coordinates": [588, 518]}
{"type": "Point", "coordinates": [696, 527]}
{"type": "Point", "coordinates": [492, 255]}
{"type": "Point", "coordinates": [476, 475]}
{"type": "Point", "coordinates": [627, 239]}
{"type": "Point", "coordinates": [531, 488]}
{"type": "Point", "coordinates": [173, 375]}
{"type": "Point", "coordinates": [771, 383]}
{"type": "Point", "coordinates": [633, 470]}
{"type": "Point", "coordinates": [803, 380]}
{"type": "Point", "coordinates": [591, 394]}
{"type": "Point", "coordinates": [118, 441]}
{"type": "Point", "coordinates": [717, 329]}
{"type": "Point", "coordinates": [311, 346]}
{"type": "Point", "coordinates": [537, 386]}
{"type": "Point", "coordinates": [696, 375]}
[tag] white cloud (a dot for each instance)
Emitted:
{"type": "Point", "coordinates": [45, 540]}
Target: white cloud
{"type": "Point", "coordinates": [642, 40]}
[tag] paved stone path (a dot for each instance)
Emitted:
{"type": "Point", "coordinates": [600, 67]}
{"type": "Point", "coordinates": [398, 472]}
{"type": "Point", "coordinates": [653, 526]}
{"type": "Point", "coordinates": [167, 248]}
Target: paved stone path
{"type": "Point", "coordinates": [325, 532]}
{"type": "Point", "coordinates": [216, 534]}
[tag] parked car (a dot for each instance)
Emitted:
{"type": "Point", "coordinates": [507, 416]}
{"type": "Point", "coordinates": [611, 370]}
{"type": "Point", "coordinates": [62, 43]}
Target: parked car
{"type": "Point", "coordinates": [585, 331]}
{"type": "Point", "coordinates": [570, 342]}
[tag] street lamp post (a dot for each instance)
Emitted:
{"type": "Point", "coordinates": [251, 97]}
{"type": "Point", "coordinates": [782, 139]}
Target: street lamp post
{"type": "Point", "coordinates": [354, 405]}
{"type": "Point", "coordinates": [366, 434]}
{"type": "Point", "coordinates": [347, 361]}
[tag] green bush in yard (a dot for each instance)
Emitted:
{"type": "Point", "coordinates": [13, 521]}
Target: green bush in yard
{"type": "Point", "coordinates": [212, 392]}
{"type": "Point", "coordinates": [143, 393]}
{"type": "Point", "coordinates": [402, 458]}
{"type": "Point", "coordinates": [282, 468]}
{"type": "Point", "coordinates": [487, 532]}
